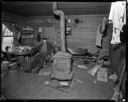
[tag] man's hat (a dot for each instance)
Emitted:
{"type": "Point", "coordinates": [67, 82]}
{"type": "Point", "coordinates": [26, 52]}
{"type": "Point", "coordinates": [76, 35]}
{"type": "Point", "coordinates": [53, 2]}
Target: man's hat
{"type": "Point", "coordinates": [44, 38]}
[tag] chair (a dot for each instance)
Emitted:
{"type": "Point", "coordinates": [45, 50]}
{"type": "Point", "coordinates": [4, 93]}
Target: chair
{"type": "Point", "coordinates": [4, 68]}
{"type": "Point", "coordinates": [13, 63]}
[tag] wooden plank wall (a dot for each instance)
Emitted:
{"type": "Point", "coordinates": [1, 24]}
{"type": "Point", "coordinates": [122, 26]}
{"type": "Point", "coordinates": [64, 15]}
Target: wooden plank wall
{"type": "Point", "coordinates": [9, 17]}
{"type": "Point", "coordinates": [83, 34]}
{"type": "Point", "coordinates": [50, 28]}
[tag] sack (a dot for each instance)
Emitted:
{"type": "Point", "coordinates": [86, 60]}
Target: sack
{"type": "Point", "coordinates": [102, 75]}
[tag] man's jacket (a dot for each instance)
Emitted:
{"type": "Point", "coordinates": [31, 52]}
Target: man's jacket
{"type": "Point", "coordinates": [36, 50]}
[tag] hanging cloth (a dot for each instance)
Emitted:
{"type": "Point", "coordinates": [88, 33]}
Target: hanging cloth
{"type": "Point", "coordinates": [118, 17]}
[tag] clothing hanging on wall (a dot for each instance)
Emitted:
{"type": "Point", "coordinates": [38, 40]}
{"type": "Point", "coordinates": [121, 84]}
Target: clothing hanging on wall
{"type": "Point", "coordinates": [99, 37]}
{"type": "Point", "coordinates": [105, 32]}
{"type": "Point", "coordinates": [100, 30]}
{"type": "Point", "coordinates": [118, 17]}
{"type": "Point", "coordinates": [104, 21]}
{"type": "Point", "coordinates": [38, 37]}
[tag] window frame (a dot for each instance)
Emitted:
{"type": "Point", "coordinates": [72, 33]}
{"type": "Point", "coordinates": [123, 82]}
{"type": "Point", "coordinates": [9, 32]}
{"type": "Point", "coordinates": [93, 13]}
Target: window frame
{"type": "Point", "coordinates": [4, 35]}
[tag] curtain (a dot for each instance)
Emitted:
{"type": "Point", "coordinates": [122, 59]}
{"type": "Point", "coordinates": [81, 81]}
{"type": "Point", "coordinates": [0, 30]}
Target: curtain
{"type": "Point", "coordinates": [10, 26]}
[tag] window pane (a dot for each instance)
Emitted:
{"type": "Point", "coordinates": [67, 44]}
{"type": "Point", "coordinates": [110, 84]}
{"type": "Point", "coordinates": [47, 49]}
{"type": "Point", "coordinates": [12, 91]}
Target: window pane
{"type": "Point", "coordinates": [7, 41]}
{"type": "Point", "coordinates": [7, 38]}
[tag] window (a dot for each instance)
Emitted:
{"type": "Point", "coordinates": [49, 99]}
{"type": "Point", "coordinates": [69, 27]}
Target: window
{"type": "Point", "coordinates": [7, 38]}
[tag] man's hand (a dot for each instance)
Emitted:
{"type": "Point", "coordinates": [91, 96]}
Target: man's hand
{"type": "Point", "coordinates": [51, 57]}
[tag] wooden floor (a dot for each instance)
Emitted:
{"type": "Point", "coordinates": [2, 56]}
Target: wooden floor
{"type": "Point", "coordinates": [31, 86]}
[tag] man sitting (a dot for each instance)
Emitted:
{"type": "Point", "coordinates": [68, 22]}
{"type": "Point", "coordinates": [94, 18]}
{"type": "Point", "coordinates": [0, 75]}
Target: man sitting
{"type": "Point", "coordinates": [42, 53]}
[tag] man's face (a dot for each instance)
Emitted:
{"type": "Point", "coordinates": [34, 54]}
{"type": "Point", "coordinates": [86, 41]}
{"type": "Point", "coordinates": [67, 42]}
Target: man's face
{"type": "Point", "coordinates": [44, 41]}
